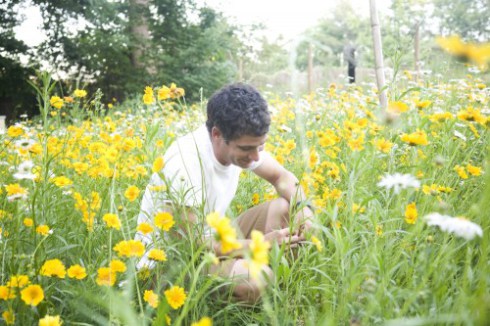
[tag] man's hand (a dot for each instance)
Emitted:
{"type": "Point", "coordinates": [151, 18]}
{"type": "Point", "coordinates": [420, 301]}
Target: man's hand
{"type": "Point", "coordinates": [284, 236]}
{"type": "Point", "coordinates": [304, 219]}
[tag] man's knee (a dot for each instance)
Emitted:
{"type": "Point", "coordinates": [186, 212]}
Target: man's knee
{"type": "Point", "coordinates": [249, 290]}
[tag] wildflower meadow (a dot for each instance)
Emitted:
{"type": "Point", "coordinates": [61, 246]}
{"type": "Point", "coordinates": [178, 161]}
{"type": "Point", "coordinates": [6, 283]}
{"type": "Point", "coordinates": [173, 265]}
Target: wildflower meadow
{"type": "Point", "coordinates": [401, 200]}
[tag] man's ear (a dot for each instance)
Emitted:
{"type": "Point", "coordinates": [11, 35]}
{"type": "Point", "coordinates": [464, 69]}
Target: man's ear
{"type": "Point", "coordinates": [216, 133]}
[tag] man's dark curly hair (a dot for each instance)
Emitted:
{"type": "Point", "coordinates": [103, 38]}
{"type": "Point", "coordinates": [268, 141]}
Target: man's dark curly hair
{"type": "Point", "coordinates": [238, 110]}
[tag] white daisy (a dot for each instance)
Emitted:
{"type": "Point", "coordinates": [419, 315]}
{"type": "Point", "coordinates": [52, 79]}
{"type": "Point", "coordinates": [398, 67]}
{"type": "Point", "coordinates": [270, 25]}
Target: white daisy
{"type": "Point", "coordinates": [399, 181]}
{"type": "Point", "coordinates": [457, 225]}
{"type": "Point", "coordinates": [24, 171]}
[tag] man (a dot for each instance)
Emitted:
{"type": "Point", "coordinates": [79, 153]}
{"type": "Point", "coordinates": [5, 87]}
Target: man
{"type": "Point", "coordinates": [201, 173]}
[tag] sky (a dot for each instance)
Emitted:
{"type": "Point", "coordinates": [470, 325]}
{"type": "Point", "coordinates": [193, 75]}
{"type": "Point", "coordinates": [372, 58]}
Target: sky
{"type": "Point", "coordinates": [281, 17]}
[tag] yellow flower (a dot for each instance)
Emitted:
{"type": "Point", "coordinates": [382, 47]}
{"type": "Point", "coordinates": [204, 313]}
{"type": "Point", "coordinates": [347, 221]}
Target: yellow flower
{"type": "Point", "coordinates": [225, 233]}
{"type": "Point", "coordinates": [53, 267]}
{"type": "Point", "coordinates": [379, 230]}
{"type": "Point", "coordinates": [259, 252]}
{"type": "Point", "coordinates": [15, 190]}
{"type": "Point", "coordinates": [411, 213]}
{"type": "Point", "coordinates": [151, 297]}
{"type": "Point", "coordinates": [56, 102]}
{"type": "Point", "coordinates": [112, 221]}
{"type": "Point", "coordinates": [477, 53]}
{"type": "Point", "coordinates": [157, 254]}
{"type": "Point", "coordinates": [18, 281]}
{"type": "Point", "coordinates": [28, 222]}
{"type": "Point", "coordinates": [32, 295]}
{"type": "Point", "coordinates": [175, 296]}
{"type": "Point", "coordinates": [132, 193]}
{"type": "Point", "coordinates": [205, 321]}
{"type": "Point", "coordinates": [383, 145]}
{"type": "Point", "coordinates": [148, 98]}
{"type": "Point", "coordinates": [6, 292]}
{"type": "Point", "coordinates": [158, 164]}
{"type": "Point", "coordinates": [77, 271]}
{"type": "Point", "coordinates": [255, 198]}
{"type": "Point", "coordinates": [105, 276]}
{"type": "Point", "coordinates": [397, 107]}
{"type": "Point", "coordinates": [163, 93]}
{"type": "Point", "coordinates": [130, 248]}
{"type": "Point", "coordinates": [176, 92]}
{"type": "Point", "coordinates": [50, 321]}
{"type": "Point", "coordinates": [145, 228]}
{"type": "Point", "coordinates": [317, 243]}
{"type": "Point", "coordinates": [473, 170]}
{"type": "Point", "coordinates": [461, 172]}
{"type": "Point", "coordinates": [80, 93]}
{"type": "Point", "coordinates": [61, 181]}
{"type": "Point", "coordinates": [164, 220]}
{"type": "Point", "coordinates": [42, 229]}
{"type": "Point", "coordinates": [15, 131]}
{"type": "Point", "coordinates": [9, 317]}
{"type": "Point", "coordinates": [416, 138]}
{"type": "Point", "coordinates": [422, 104]}
{"type": "Point", "coordinates": [117, 266]}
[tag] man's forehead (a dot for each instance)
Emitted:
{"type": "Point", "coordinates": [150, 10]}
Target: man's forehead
{"type": "Point", "coordinates": [247, 140]}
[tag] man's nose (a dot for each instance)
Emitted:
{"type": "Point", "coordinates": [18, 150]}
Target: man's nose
{"type": "Point", "coordinates": [254, 156]}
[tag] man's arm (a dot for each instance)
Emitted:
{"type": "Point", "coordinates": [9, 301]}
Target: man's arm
{"type": "Point", "coordinates": [286, 185]}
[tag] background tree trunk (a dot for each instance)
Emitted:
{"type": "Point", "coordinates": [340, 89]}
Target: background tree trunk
{"type": "Point", "coordinates": [378, 54]}
{"type": "Point", "coordinates": [141, 34]}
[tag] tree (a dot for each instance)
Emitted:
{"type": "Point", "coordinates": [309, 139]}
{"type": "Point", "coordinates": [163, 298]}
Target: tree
{"type": "Point", "coordinates": [16, 96]}
{"type": "Point", "coordinates": [467, 18]}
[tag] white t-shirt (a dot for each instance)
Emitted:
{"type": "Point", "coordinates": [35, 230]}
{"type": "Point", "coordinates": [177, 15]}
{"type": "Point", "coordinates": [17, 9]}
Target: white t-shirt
{"type": "Point", "coordinates": [194, 177]}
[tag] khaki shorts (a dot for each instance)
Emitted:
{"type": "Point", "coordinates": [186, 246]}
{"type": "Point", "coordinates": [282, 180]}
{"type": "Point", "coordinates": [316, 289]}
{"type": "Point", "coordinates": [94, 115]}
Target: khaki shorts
{"type": "Point", "coordinates": [253, 219]}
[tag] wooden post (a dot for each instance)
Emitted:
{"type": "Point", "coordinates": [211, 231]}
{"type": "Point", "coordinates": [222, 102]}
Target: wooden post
{"type": "Point", "coordinates": [2, 124]}
{"type": "Point", "coordinates": [310, 68]}
{"type": "Point", "coordinates": [416, 50]}
{"type": "Point", "coordinates": [378, 55]}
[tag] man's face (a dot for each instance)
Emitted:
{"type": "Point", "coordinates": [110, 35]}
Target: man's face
{"type": "Point", "coordinates": [245, 150]}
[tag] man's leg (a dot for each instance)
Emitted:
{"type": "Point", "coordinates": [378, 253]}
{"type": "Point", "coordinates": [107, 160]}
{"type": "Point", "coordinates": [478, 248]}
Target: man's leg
{"type": "Point", "coordinates": [266, 217]}
{"type": "Point", "coordinates": [245, 289]}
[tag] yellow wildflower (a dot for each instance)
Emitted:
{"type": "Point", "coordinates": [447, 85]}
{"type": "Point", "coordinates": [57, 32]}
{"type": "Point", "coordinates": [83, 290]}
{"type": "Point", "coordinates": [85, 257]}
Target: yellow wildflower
{"type": "Point", "coordinates": [164, 220]}
{"type": "Point", "coordinates": [148, 98]}
{"type": "Point", "coordinates": [416, 138]}
{"type": "Point", "coordinates": [259, 250]}
{"type": "Point", "coordinates": [175, 296]}
{"type": "Point", "coordinates": [130, 248]}
{"type": "Point", "coordinates": [225, 233]}
{"type": "Point", "coordinates": [56, 102]}
{"type": "Point", "coordinates": [105, 276]}
{"type": "Point", "coordinates": [76, 271]}
{"type": "Point", "coordinates": [411, 213]}
{"type": "Point", "coordinates": [80, 93]}
{"type": "Point", "coordinates": [28, 222]}
{"type": "Point", "coordinates": [317, 243]}
{"type": "Point", "coordinates": [473, 170]}
{"type": "Point", "coordinates": [9, 317]}
{"type": "Point", "coordinates": [398, 107]}
{"type": "Point", "coordinates": [50, 321]}
{"type": "Point", "coordinates": [144, 228]}
{"type": "Point", "coordinates": [117, 266]}
{"type": "Point", "coordinates": [32, 295]}
{"type": "Point", "coordinates": [151, 297]}
{"type": "Point", "coordinates": [131, 193]}
{"type": "Point", "coordinates": [157, 254]}
{"type": "Point", "coordinates": [112, 221]}
{"type": "Point", "coordinates": [43, 229]}
{"type": "Point", "coordinates": [158, 164]}
{"type": "Point", "coordinates": [53, 267]}
{"type": "Point", "coordinates": [15, 131]}
{"type": "Point", "coordinates": [205, 321]}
